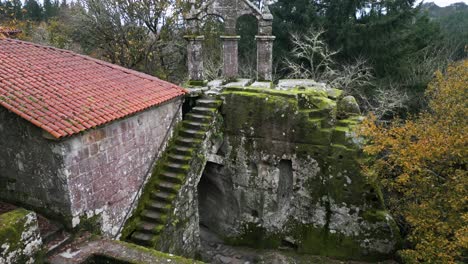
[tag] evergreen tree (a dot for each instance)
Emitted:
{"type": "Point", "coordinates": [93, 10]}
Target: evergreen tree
{"type": "Point", "coordinates": [11, 10]}
{"type": "Point", "coordinates": [51, 9]}
{"type": "Point", "coordinates": [292, 16]}
{"type": "Point", "coordinates": [34, 10]}
{"type": "Point", "coordinates": [382, 31]}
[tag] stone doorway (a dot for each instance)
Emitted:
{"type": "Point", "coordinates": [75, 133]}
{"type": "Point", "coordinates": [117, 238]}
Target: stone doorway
{"type": "Point", "coordinates": [213, 199]}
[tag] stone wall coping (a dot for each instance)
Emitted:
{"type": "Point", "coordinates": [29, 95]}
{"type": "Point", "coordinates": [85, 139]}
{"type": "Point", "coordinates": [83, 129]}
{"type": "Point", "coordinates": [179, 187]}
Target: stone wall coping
{"type": "Point", "coordinates": [265, 38]}
{"type": "Point", "coordinates": [194, 37]}
{"type": "Point", "coordinates": [230, 37]}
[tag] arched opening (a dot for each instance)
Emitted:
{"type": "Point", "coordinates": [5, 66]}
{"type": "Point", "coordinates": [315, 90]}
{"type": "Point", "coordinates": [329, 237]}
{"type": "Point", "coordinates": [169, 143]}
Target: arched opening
{"type": "Point", "coordinates": [215, 201]}
{"type": "Point", "coordinates": [247, 28]}
{"type": "Point", "coordinates": [212, 27]}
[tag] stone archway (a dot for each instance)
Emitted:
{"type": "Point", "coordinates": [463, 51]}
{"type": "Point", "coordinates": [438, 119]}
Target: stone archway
{"type": "Point", "coordinates": [230, 11]}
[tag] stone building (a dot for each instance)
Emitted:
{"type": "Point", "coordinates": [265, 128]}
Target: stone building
{"type": "Point", "coordinates": [78, 136]}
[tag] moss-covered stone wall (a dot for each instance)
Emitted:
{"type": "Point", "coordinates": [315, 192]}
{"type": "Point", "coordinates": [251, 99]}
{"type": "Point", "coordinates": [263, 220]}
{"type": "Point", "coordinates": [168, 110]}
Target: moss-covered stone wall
{"type": "Point", "coordinates": [291, 175]}
{"type": "Point", "coordinates": [20, 241]}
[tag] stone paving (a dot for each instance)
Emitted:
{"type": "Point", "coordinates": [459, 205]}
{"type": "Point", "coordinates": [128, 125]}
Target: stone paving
{"type": "Point", "coordinates": [214, 251]}
{"type": "Point", "coordinates": [86, 249]}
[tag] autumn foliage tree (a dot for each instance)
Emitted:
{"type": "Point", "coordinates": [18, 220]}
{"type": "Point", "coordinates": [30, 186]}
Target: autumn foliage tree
{"type": "Point", "coordinates": [422, 164]}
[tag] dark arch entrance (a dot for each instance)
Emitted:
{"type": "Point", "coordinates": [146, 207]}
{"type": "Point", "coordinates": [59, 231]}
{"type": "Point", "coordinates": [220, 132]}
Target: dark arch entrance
{"type": "Point", "coordinates": [247, 29]}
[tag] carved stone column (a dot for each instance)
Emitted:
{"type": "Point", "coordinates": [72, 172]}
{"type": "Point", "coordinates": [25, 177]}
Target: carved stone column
{"type": "Point", "coordinates": [265, 57]}
{"type": "Point", "coordinates": [195, 57]}
{"type": "Point", "coordinates": [230, 56]}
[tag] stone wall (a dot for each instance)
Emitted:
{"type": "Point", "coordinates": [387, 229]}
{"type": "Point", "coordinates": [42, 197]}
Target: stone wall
{"type": "Point", "coordinates": [107, 167]}
{"type": "Point", "coordinates": [31, 167]}
{"type": "Point", "coordinates": [96, 173]}
{"type": "Point", "coordinates": [20, 241]}
{"type": "Point", "coordinates": [290, 177]}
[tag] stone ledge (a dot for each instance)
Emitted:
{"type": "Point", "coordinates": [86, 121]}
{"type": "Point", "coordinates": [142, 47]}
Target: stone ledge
{"type": "Point", "coordinates": [233, 38]}
{"type": "Point", "coordinates": [265, 38]}
{"type": "Point", "coordinates": [115, 251]}
{"type": "Point", "coordinates": [194, 37]}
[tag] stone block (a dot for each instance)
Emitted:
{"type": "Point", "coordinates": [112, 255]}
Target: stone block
{"type": "Point", "coordinates": [20, 240]}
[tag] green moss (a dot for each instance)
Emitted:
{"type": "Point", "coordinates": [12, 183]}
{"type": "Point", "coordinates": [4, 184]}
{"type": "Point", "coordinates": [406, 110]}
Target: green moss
{"type": "Point", "coordinates": [91, 224]}
{"type": "Point", "coordinates": [157, 254]}
{"type": "Point", "coordinates": [197, 83]}
{"type": "Point", "coordinates": [12, 226]}
{"type": "Point", "coordinates": [132, 222]}
{"type": "Point", "coordinates": [319, 241]}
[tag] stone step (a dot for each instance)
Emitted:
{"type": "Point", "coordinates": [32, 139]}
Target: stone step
{"type": "Point", "coordinates": [158, 206]}
{"type": "Point", "coordinates": [182, 159]}
{"type": "Point", "coordinates": [199, 118]}
{"type": "Point", "coordinates": [153, 216]}
{"type": "Point", "coordinates": [187, 142]}
{"type": "Point", "coordinates": [58, 240]}
{"type": "Point", "coordinates": [180, 150]}
{"type": "Point", "coordinates": [195, 125]}
{"type": "Point", "coordinates": [172, 177]}
{"type": "Point", "coordinates": [321, 113]}
{"type": "Point", "coordinates": [162, 196]}
{"type": "Point", "coordinates": [168, 187]}
{"type": "Point", "coordinates": [141, 238]}
{"type": "Point", "coordinates": [192, 133]}
{"type": "Point", "coordinates": [149, 228]}
{"type": "Point", "coordinates": [203, 110]}
{"type": "Point", "coordinates": [176, 167]}
{"type": "Point", "coordinates": [211, 103]}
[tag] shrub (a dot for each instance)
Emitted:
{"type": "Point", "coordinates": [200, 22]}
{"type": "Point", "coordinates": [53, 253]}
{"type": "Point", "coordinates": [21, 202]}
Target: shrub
{"type": "Point", "coordinates": [422, 162]}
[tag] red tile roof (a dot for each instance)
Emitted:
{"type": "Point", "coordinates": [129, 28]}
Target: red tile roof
{"type": "Point", "coordinates": [65, 93]}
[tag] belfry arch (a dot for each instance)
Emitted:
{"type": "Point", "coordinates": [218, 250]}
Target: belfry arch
{"type": "Point", "coordinates": [230, 11]}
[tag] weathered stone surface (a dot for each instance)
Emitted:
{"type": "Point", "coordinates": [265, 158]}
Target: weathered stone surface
{"type": "Point", "coordinates": [31, 167]}
{"type": "Point", "coordinates": [291, 173]}
{"type": "Point", "coordinates": [107, 167]}
{"type": "Point", "coordinates": [230, 11]}
{"type": "Point", "coordinates": [265, 57]}
{"type": "Point", "coordinates": [181, 235]}
{"type": "Point", "coordinates": [20, 241]}
{"type": "Point", "coordinates": [215, 83]}
{"type": "Point", "coordinates": [238, 83]}
{"type": "Point", "coordinates": [347, 107]}
{"type": "Point", "coordinates": [259, 84]}
{"type": "Point", "coordinates": [195, 57]}
{"type": "Point", "coordinates": [288, 84]}
{"type": "Point", "coordinates": [230, 57]}
{"type": "Point", "coordinates": [96, 173]}
{"type": "Point", "coordinates": [107, 251]}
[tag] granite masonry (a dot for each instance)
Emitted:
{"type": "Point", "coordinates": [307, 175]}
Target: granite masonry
{"type": "Point", "coordinates": [96, 173]}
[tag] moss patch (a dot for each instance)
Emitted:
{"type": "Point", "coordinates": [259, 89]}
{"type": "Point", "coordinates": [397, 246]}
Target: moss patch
{"type": "Point", "coordinates": [12, 226]}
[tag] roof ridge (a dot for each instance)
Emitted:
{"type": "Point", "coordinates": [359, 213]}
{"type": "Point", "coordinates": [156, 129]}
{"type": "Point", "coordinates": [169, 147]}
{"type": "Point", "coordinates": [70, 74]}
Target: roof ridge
{"type": "Point", "coordinates": [97, 61]}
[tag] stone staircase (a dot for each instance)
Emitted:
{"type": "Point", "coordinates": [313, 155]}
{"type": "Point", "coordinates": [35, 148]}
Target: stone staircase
{"type": "Point", "coordinates": [172, 173]}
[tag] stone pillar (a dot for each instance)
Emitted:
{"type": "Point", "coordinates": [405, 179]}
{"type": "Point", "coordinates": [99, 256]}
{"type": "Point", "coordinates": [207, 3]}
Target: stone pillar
{"type": "Point", "coordinates": [230, 57]}
{"type": "Point", "coordinates": [195, 57]}
{"type": "Point", "coordinates": [265, 57]}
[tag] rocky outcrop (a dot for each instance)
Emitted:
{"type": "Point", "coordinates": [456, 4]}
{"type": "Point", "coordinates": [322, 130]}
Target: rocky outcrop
{"type": "Point", "coordinates": [20, 241]}
{"type": "Point", "coordinates": [288, 175]}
